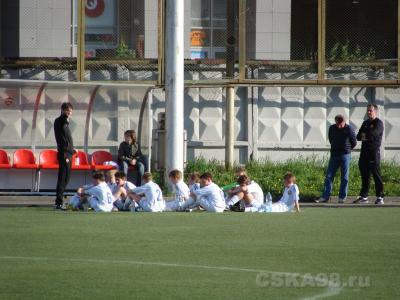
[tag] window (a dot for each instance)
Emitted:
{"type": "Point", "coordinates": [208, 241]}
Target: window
{"type": "Point", "coordinates": [208, 29]}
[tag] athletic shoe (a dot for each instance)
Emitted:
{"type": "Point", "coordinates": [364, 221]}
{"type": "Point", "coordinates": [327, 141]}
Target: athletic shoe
{"type": "Point", "coordinates": [361, 200]}
{"type": "Point", "coordinates": [379, 200]}
{"type": "Point", "coordinates": [321, 200]}
{"type": "Point", "coordinates": [236, 208]}
{"type": "Point", "coordinates": [59, 207]}
{"type": "Point", "coordinates": [341, 200]}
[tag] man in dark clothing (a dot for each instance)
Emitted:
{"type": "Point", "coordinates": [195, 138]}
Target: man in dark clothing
{"type": "Point", "coordinates": [370, 134]}
{"type": "Point", "coordinates": [343, 140]}
{"type": "Point", "coordinates": [65, 148]}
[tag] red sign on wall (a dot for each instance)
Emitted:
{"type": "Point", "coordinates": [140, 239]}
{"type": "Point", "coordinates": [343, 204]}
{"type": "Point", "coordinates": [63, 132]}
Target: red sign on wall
{"type": "Point", "coordinates": [94, 8]}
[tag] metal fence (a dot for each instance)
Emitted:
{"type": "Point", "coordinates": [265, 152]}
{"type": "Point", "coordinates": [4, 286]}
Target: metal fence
{"type": "Point", "coordinates": [226, 42]}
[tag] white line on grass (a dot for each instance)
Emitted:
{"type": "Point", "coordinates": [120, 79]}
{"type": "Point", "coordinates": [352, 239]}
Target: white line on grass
{"type": "Point", "coordinates": [330, 290]}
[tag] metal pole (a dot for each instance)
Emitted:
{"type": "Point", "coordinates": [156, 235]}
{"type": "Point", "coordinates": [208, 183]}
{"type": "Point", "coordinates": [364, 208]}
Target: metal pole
{"type": "Point", "coordinates": [80, 61]}
{"type": "Point", "coordinates": [229, 127]}
{"type": "Point", "coordinates": [161, 42]}
{"type": "Point", "coordinates": [242, 39]}
{"type": "Point", "coordinates": [230, 91]}
{"type": "Point", "coordinates": [398, 41]}
{"type": "Point", "coordinates": [321, 38]}
{"type": "Point", "coordinates": [174, 84]}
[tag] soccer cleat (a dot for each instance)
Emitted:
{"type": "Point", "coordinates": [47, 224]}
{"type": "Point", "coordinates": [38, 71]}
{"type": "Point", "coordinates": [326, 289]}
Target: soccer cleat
{"type": "Point", "coordinates": [379, 200]}
{"type": "Point", "coordinates": [321, 200]}
{"type": "Point", "coordinates": [60, 207]}
{"type": "Point", "coordinates": [236, 208]}
{"type": "Point", "coordinates": [341, 200]}
{"type": "Point", "coordinates": [361, 200]}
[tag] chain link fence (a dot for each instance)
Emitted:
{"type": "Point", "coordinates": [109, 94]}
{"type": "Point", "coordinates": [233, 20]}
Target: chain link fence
{"type": "Point", "coordinates": [39, 40]}
{"type": "Point", "coordinates": [361, 39]}
{"type": "Point", "coordinates": [212, 47]}
{"type": "Point", "coordinates": [121, 40]}
{"type": "Point", "coordinates": [281, 39]}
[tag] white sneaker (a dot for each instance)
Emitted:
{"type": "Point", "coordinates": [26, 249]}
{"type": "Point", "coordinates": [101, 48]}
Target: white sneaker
{"type": "Point", "coordinates": [379, 200]}
{"type": "Point", "coordinates": [321, 200]}
{"type": "Point", "coordinates": [341, 201]}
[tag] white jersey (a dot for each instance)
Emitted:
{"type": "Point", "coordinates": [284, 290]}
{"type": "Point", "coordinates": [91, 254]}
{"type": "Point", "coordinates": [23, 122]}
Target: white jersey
{"type": "Point", "coordinates": [181, 191]}
{"type": "Point", "coordinates": [286, 203]}
{"type": "Point", "coordinates": [212, 196]}
{"type": "Point", "coordinates": [289, 197]}
{"type": "Point", "coordinates": [194, 187]}
{"type": "Point", "coordinates": [101, 198]}
{"type": "Point", "coordinates": [254, 189]}
{"type": "Point", "coordinates": [152, 200]}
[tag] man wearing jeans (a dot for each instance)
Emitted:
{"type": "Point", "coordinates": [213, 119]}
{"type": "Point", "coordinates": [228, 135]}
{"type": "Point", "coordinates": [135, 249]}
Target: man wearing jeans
{"type": "Point", "coordinates": [343, 140]}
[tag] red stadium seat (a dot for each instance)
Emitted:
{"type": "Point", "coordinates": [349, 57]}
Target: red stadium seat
{"type": "Point", "coordinates": [24, 159]}
{"type": "Point", "coordinates": [83, 161]}
{"type": "Point", "coordinates": [99, 158]}
{"type": "Point", "coordinates": [4, 160]}
{"type": "Point", "coordinates": [48, 159]}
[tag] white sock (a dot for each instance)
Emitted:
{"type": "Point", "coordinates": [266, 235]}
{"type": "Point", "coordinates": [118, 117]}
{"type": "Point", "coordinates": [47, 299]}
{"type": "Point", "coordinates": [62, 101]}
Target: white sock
{"type": "Point", "coordinates": [232, 201]}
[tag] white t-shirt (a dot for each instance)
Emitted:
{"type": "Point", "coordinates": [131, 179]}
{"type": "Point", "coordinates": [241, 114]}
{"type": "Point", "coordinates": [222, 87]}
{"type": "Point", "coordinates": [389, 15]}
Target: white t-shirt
{"type": "Point", "coordinates": [153, 198]}
{"type": "Point", "coordinates": [194, 187]}
{"type": "Point", "coordinates": [181, 191]}
{"type": "Point", "coordinates": [211, 193]}
{"type": "Point", "coordinates": [254, 189]}
{"type": "Point", "coordinates": [102, 196]}
{"type": "Point", "coordinates": [290, 196]}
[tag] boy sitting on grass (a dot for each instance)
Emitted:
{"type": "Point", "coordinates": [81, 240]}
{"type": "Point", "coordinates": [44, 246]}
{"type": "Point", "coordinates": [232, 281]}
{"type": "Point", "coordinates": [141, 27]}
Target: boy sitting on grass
{"type": "Point", "coordinates": [147, 197]}
{"type": "Point", "coordinates": [288, 202]}
{"type": "Point", "coordinates": [248, 192]}
{"type": "Point", "coordinates": [209, 196]}
{"type": "Point", "coordinates": [97, 196]}
{"type": "Point", "coordinates": [194, 181]}
{"type": "Point", "coordinates": [120, 191]}
{"type": "Point", "coordinates": [181, 191]}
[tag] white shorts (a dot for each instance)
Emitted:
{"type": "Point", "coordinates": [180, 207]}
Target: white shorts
{"type": "Point", "coordinates": [174, 205]}
{"type": "Point", "coordinates": [94, 203]}
{"type": "Point", "coordinates": [210, 207]}
{"type": "Point", "coordinates": [147, 206]}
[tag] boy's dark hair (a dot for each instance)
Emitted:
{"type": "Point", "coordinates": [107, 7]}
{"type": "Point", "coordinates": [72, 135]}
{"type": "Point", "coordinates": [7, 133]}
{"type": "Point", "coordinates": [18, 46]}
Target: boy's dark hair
{"type": "Point", "coordinates": [195, 176]}
{"type": "Point", "coordinates": [66, 105]}
{"type": "Point", "coordinates": [98, 175]}
{"type": "Point", "coordinates": [243, 179]}
{"type": "Point", "coordinates": [372, 105]}
{"type": "Point", "coordinates": [175, 174]}
{"type": "Point", "coordinates": [290, 175]}
{"type": "Point", "coordinates": [120, 175]}
{"type": "Point", "coordinates": [206, 176]}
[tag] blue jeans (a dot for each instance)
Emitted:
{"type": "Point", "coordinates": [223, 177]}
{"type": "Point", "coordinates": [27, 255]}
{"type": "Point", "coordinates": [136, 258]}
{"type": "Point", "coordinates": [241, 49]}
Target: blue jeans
{"type": "Point", "coordinates": [342, 161]}
{"type": "Point", "coordinates": [140, 169]}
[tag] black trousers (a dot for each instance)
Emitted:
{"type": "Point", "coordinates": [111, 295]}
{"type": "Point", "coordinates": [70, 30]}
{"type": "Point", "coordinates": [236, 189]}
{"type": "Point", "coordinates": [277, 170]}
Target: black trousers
{"type": "Point", "coordinates": [370, 163]}
{"type": "Point", "coordinates": [64, 174]}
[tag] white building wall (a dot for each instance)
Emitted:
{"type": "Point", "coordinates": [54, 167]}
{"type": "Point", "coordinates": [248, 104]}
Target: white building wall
{"type": "Point", "coordinates": [45, 28]}
{"type": "Point", "coordinates": [272, 29]}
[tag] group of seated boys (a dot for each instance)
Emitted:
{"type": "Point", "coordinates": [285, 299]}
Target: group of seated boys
{"type": "Point", "coordinates": [112, 192]}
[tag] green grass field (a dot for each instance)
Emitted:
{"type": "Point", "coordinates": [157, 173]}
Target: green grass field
{"type": "Point", "coordinates": [46, 254]}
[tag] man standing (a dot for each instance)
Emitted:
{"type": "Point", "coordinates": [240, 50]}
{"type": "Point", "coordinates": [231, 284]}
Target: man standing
{"type": "Point", "coordinates": [370, 134]}
{"type": "Point", "coordinates": [65, 148]}
{"type": "Point", "coordinates": [343, 140]}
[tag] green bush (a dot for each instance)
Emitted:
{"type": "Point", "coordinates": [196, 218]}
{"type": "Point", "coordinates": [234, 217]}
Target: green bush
{"type": "Point", "coordinates": [309, 171]}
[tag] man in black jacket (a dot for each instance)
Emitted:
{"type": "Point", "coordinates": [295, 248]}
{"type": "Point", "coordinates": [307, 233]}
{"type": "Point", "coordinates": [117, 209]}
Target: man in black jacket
{"type": "Point", "coordinates": [370, 134]}
{"type": "Point", "coordinates": [343, 140]}
{"type": "Point", "coordinates": [65, 148]}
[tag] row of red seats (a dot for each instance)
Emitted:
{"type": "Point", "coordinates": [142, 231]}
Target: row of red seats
{"type": "Point", "coordinates": [25, 159]}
